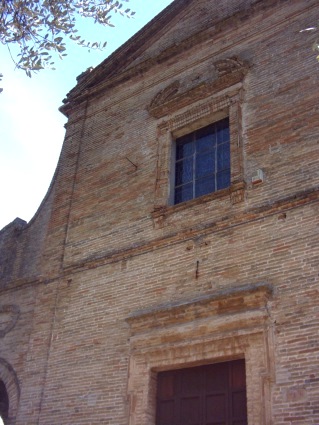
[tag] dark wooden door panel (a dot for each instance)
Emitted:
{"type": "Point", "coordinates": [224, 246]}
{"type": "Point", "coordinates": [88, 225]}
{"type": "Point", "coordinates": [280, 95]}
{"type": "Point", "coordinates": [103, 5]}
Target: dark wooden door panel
{"type": "Point", "coordinates": [206, 395]}
{"type": "Point", "coordinates": [190, 411]}
{"type": "Point", "coordinates": [216, 409]}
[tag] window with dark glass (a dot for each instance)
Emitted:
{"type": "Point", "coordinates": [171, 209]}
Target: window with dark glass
{"type": "Point", "coordinates": [202, 163]}
{"type": "Point", "coordinates": [205, 395]}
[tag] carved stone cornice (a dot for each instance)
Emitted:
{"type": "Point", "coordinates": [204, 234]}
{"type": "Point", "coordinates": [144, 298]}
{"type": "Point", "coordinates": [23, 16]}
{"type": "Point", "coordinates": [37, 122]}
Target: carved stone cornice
{"type": "Point", "coordinates": [116, 69]}
{"type": "Point", "coordinates": [229, 72]}
{"type": "Point", "coordinates": [236, 192]}
{"type": "Point", "coordinates": [234, 300]}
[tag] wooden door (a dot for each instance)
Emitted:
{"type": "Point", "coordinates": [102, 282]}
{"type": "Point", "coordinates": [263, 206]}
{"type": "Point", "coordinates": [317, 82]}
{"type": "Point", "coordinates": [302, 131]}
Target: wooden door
{"type": "Point", "coordinates": [206, 395]}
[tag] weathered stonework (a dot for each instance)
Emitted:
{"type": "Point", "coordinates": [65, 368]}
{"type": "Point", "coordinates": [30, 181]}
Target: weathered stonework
{"type": "Point", "coordinates": [111, 283]}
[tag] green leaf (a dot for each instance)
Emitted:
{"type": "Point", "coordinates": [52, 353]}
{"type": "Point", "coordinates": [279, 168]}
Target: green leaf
{"type": "Point", "coordinates": [24, 21]}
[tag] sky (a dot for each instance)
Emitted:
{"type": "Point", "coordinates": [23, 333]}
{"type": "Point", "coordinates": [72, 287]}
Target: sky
{"type": "Point", "coordinates": [32, 128]}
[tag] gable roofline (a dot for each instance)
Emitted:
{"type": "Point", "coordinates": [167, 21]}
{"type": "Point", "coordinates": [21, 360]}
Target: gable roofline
{"type": "Point", "coordinates": [127, 52]}
{"type": "Point", "coordinates": [115, 68]}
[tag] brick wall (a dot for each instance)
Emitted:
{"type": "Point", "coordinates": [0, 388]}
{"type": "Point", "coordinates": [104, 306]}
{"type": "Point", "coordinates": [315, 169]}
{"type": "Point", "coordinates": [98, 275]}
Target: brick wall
{"type": "Point", "coordinates": [124, 284]}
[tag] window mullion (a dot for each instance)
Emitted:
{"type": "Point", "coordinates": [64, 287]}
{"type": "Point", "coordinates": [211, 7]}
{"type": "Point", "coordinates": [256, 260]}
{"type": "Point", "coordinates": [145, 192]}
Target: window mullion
{"type": "Point", "coordinates": [198, 154]}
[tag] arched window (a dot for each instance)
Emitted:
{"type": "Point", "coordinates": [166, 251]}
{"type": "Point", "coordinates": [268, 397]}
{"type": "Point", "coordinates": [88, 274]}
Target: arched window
{"type": "Point", "coordinates": [4, 402]}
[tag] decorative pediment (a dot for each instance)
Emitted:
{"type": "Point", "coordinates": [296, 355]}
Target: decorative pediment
{"type": "Point", "coordinates": [229, 72]}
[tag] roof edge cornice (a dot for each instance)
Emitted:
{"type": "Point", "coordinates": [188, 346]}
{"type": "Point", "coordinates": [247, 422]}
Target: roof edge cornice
{"type": "Point", "coordinates": [106, 75]}
{"type": "Point", "coordinates": [129, 49]}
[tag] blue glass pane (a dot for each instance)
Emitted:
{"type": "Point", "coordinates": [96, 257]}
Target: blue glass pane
{"type": "Point", "coordinates": [205, 185]}
{"type": "Point", "coordinates": [203, 161]}
{"type": "Point", "coordinates": [205, 164]}
{"type": "Point", "coordinates": [223, 156]}
{"type": "Point", "coordinates": [185, 146]}
{"type": "Point", "coordinates": [184, 171]}
{"type": "Point", "coordinates": [184, 193]}
{"type": "Point", "coordinates": [223, 179]}
{"type": "Point", "coordinates": [205, 138]}
{"type": "Point", "coordinates": [222, 130]}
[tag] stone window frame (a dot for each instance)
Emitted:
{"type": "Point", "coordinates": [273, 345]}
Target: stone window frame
{"type": "Point", "coordinates": [226, 104]}
{"type": "Point", "coordinates": [184, 108]}
{"type": "Point", "coordinates": [227, 325]}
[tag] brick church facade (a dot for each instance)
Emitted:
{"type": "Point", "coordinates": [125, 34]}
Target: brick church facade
{"type": "Point", "coordinates": [170, 275]}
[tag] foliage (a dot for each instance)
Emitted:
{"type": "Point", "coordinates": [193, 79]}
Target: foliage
{"type": "Point", "coordinates": [39, 28]}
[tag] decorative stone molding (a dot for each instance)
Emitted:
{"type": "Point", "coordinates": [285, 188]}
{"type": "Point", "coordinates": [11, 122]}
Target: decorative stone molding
{"type": "Point", "coordinates": [228, 324]}
{"type": "Point", "coordinates": [230, 301]}
{"type": "Point", "coordinates": [165, 95]}
{"type": "Point", "coordinates": [207, 102]}
{"type": "Point", "coordinates": [237, 193]}
{"type": "Point", "coordinates": [234, 64]}
{"type": "Point", "coordinates": [9, 315]}
{"type": "Point", "coordinates": [229, 73]}
{"type": "Point", "coordinates": [198, 115]}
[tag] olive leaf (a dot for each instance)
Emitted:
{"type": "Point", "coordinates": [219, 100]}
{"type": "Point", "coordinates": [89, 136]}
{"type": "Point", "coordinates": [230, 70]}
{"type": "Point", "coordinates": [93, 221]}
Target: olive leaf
{"type": "Point", "coordinates": [39, 28]}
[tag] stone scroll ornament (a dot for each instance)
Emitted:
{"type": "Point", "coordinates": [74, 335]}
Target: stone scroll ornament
{"type": "Point", "coordinates": [229, 65]}
{"type": "Point", "coordinates": [175, 96]}
{"type": "Point", "coordinates": [9, 315]}
{"type": "Point", "coordinates": [165, 95]}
